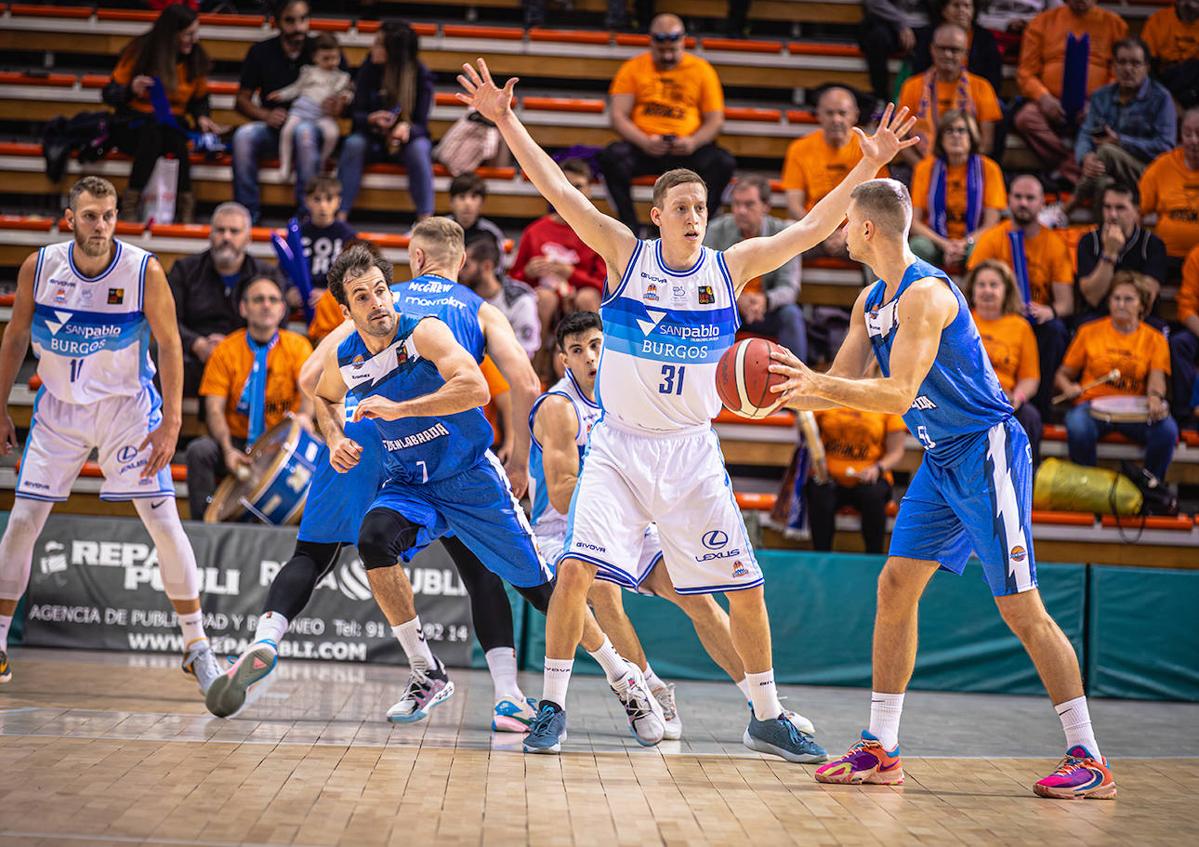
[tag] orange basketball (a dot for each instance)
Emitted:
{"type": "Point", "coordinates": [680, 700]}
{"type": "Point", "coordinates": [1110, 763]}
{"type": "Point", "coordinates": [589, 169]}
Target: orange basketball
{"type": "Point", "coordinates": [743, 380]}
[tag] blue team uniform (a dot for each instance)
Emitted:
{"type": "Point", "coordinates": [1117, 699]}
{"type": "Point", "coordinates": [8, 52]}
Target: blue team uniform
{"type": "Point", "coordinates": [973, 490]}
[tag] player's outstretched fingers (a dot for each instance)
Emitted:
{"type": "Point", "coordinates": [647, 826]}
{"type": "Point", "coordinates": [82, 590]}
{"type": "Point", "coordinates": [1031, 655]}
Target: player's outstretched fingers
{"type": "Point", "coordinates": [472, 74]}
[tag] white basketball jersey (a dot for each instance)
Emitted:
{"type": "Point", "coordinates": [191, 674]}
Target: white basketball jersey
{"type": "Point", "coordinates": [548, 521]}
{"type": "Point", "coordinates": [90, 334]}
{"type": "Point", "coordinates": [664, 334]}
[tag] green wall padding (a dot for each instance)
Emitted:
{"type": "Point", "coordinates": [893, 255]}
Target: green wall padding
{"type": "Point", "coordinates": [1144, 638]}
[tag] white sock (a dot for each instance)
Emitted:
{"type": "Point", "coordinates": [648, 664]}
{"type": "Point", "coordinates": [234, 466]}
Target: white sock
{"type": "Point", "coordinates": [652, 679]}
{"type": "Point", "coordinates": [557, 678]}
{"type": "Point", "coordinates": [271, 627]}
{"type": "Point", "coordinates": [192, 625]}
{"type": "Point", "coordinates": [764, 695]}
{"type": "Point", "coordinates": [501, 661]}
{"type": "Point", "coordinates": [885, 710]}
{"type": "Point", "coordinates": [1076, 721]}
{"type": "Point", "coordinates": [614, 666]}
{"type": "Point", "coordinates": [743, 685]}
{"type": "Point", "coordinates": [412, 639]}
{"type": "Point", "coordinates": [5, 623]}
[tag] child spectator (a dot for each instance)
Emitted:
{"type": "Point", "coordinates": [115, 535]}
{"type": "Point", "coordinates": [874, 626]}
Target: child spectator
{"type": "Point", "coordinates": [323, 234]}
{"type": "Point", "coordinates": [316, 84]}
{"type": "Point", "coordinates": [467, 194]}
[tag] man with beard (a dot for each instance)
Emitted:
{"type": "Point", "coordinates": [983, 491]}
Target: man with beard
{"type": "Point", "coordinates": [91, 306]}
{"type": "Point", "coordinates": [207, 289]}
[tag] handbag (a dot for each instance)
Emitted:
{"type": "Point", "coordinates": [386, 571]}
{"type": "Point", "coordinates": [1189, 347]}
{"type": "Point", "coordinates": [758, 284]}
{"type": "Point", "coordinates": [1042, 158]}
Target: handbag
{"type": "Point", "coordinates": [158, 197]}
{"type": "Point", "coordinates": [470, 142]}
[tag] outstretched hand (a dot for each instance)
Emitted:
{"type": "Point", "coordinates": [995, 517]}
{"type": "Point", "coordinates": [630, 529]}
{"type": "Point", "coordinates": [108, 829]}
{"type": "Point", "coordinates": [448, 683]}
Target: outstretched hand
{"type": "Point", "coordinates": [888, 139]}
{"type": "Point", "coordinates": [482, 94]}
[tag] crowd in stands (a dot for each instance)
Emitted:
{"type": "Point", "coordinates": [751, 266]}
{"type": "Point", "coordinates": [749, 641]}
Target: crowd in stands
{"type": "Point", "coordinates": [1110, 118]}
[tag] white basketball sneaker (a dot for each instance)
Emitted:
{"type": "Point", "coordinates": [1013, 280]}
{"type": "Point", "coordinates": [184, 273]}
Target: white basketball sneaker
{"type": "Point", "coordinates": [670, 712]}
{"type": "Point", "coordinates": [644, 714]}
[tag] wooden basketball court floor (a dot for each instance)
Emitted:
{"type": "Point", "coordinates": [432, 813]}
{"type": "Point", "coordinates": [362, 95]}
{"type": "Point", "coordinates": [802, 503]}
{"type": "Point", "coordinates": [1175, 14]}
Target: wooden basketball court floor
{"type": "Point", "coordinates": [115, 749]}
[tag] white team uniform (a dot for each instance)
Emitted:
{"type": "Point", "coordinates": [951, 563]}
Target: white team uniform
{"type": "Point", "coordinates": [92, 341]}
{"type": "Point", "coordinates": [653, 456]}
{"type": "Point", "coordinates": [548, 523]}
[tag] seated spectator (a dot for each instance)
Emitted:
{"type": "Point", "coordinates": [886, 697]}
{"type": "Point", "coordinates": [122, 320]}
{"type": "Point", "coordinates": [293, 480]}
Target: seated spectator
{"type": "Point", "coordinates": [169, 54]}
{"type": "Point", "coordinates": [946, 87]}
{"type": "Point", "coordinates": [1065, 56]}
{"type": "Point", "coordinates": [667, 106]}
{"type": "Point", "coordinates": [483, 274]}
{"type": "Point", "coordinates": [206, 289]}
{"type": "Point", "coordinates": [1184, 343]}
{"type": "Point", "coordinates": [269, 66]}
{"type": "Point", "coordinates": [393, 94]}
{"type": "Point", "coordinates": [769, 304]}
{"type": "Point", "coordinates": [250, 383]}
{"type": "Point", "coordinates": [1120, 341]}
{"type": "Point", "coordinates": [889, 29]}
{"type": "Point", "coordinates": [860, 448]}
{"type": "Point", "coordinates": [321, 81]}
{"type": "Point", "coordinates": [567, 275]}
{"type": "Point", "coordinates": [1007, 18]}
{"type": "Point", "coordinates": [1044, 273]}
{"type": "Point", "coordinates": [1118, 244]}
{"type": "Point", "coordinates": [1128, 124]}
{"type": "Point", "coordinates": [1170, 190]}
{"type": "Point", "coordinates": [956, 193]}
{"type": "Point", "coordinates": [984, 58]}
{"type": "Point", "coordinates": [998, 312]}
{"type": "Point", "coordinates": [322, 234]}
{"type": "Point", "coordinates": [468, 192]}
{"type": "Point", "coordinates": [1173, 39]}
{"type": "Point", "coordinates": [815, 163]}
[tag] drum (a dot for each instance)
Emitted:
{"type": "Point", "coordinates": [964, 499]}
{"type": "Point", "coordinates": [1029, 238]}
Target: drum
{"type": "Point", "coordinates": [1120, 408]}
{"type": "Point", "coordinates": [282, 463]}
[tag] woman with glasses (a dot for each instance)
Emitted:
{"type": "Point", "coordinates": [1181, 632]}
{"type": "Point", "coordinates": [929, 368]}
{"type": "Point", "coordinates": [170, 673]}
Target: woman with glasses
{"type": "Point", "coordinates": [956, 193]}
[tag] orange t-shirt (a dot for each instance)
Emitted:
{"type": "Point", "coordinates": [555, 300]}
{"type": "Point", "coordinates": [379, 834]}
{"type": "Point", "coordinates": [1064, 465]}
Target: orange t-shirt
{"type": "Point", "coordinates": [669, 102]}
{"type": "Point", "coordinates": [854, 440]}
{"type": "Point", "coordinates": [1171, 190]}
{"type": "Point", "coordinates": [1011, 347]}
{"type": "Point", "coordinates": [497, 385]}
{"type": "Point", "coordinates": [326, 317]}
{"type": "Point", "coordinates": [1188, 292]}
{"type": "Point", "coordinates": [815, 168]}
{"type": "Point", "coordinates": [1043, 49]}
{"type": "Point", "coordinates": [1046, 254]}
{"type": "Point", "coordinates": [994, 194]}
{"type": "Point", "coordinates": [982, 102]}
{"type": "Point", "coordinates": [229, 367]}
{"type": "Point", "coordinates": [1097, 348]}
{"type": "Point", "coordinates": [1169, 39]}
{"type": "Point", "coordinates": [185, 91]}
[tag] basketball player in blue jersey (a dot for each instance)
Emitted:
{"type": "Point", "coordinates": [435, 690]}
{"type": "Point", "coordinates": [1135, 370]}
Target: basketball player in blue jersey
{"type": "Point", "coordinates": [670, 312]}
{"type": "Point", "coordinates": [91, 306]}
{"type": "Point", "coordinates": [973, 491]}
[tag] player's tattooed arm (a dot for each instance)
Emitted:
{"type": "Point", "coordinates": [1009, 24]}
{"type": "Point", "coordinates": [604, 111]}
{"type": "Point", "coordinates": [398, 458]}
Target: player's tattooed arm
{"type": "Point", "coordinates": [159, 307]}
{"type": "Point", "coordinates": [556, 426]}
{"type": "Point", "coordinates": [14, 347]}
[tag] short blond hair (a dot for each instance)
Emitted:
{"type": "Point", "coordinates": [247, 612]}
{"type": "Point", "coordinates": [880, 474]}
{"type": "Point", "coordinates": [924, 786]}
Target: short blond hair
{"type": "Point", "coordinates": [673, 178]}
{"type": "Point", "coordinates": [885, 202]}
{"type": "Point", "coordinates": [440, 237]}
{"type": "Point", "coordinates": [97, 186]}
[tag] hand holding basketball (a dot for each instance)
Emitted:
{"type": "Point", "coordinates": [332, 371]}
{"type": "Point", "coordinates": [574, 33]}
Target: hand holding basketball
{"type": "Point", "coordinates": [794, 378]}
{"type": "Point", "coordinates": [744, 381]}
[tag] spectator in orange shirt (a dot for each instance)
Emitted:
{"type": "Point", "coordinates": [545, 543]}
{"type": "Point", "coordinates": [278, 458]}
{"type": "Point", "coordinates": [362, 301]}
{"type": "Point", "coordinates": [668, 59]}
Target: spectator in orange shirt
{"type": "Point", "coordinates": [949, 86]}
{"type": "Point", "coordinates": [1173, 39]}
{"type": "Point", "coordinates": [984, 58]}
{"type": "Point", "coordinates": [860, 448]}
{"type": "Point", "coordinates": [170, 53]}
{"type": "Point", "coordinates": [1170, 190]}
{"type": "Point", "coordinates": [1184, 344]}
{"type": "Point", "coordinates": [1141, 354]}
{"type": "Point", "coordinates": [998, 313]}
{"type": "Point", "coordinates": [1065, 55]}
{"type": "Point", "coordinates": [956, 193]}
{"type": "Point", "coordinates": [250, 383]}
{"type": "Point", "coordinates": [1044, 273]}
{"type": "Point", "coordinates": [667, 106]}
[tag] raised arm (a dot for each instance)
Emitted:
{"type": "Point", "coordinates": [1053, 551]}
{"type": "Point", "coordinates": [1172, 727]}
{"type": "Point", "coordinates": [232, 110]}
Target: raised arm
{"type": "Point", "coordinates": [159, 308]}
{"type": "Point", "coordinates": [556, 426]}
{"type": "Point", "coordinates": [523, 388]}
{"type": "Point", "coordinates": [606, 236]}
{"type": "Point", "coordinates": [756, 256]}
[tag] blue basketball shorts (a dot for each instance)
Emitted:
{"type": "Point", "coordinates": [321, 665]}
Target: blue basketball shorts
{"type": "Point", "coordinates": [337, 502]}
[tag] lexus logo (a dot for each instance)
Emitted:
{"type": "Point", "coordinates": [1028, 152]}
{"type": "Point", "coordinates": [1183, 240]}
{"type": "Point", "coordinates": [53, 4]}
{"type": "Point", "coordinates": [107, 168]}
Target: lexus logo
{"type": "Point", "coordinates": [715, 539]}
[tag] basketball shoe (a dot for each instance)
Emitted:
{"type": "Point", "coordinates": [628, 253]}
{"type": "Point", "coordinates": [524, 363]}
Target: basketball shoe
{"type": "Point", "coordinates": [426, 689]}
{"type": "Point", "coordinates": [513, 714]}
{"type": "Point", "coordinates": [228, 692]}
{"type": "Point", "coordinates": [5, 667]}
{"type": "Point", "coordinates": [200, 662]}
{"type": "Point", "coordinates": [1078, 776]}
{"type": "Point", "coordinates": [865, 761]}
{"type": "Point", "coordinates": [644, 714]}
{"type": "Point", "coordinates": [779, 737]}
{"type": "Point", "coordinates": [548, 729]}
{"type": "Point", "coordinates": [670, 713]}
{"type": "Point", "coordinates": [799, 721]}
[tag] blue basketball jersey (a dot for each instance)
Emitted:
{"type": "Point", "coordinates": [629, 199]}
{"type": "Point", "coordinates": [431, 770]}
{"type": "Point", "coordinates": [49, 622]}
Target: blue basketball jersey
{"type": "Point", "coordinates": [416, 450]}
{"type": "Point", "coordinates": [961, 394]}
{"type": "Point", "coordinates": [451, 302]}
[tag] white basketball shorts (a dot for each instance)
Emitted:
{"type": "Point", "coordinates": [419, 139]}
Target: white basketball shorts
{"type": "Point", "coordinates": [651, 553]}
{"type": "Point", "coordinates": [62, 435]}
{"type": "Point", "coordinates": [676, 481]}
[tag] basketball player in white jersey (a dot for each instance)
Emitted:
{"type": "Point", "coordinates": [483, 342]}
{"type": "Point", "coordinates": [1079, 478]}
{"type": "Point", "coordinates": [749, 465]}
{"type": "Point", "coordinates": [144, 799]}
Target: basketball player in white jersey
{"type": "Point", "coordinates": [91, 306]}
{"type": "Point", "coordinates": [670, 312]}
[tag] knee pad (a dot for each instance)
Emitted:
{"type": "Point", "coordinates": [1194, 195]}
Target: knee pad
{"type": "Point", "coordinates": [384, 537]}
{"type": "Point", "coordinates": [176, 559]}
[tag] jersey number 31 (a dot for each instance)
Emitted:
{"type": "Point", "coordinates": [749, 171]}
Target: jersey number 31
{"type": "Point", "coordinates": [672, 379]}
